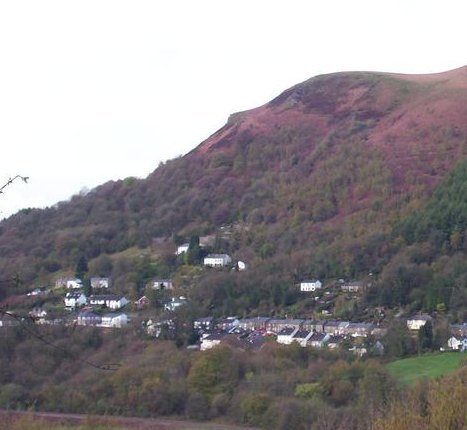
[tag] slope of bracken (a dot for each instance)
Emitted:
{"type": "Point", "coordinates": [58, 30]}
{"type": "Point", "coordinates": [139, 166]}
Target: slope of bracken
{"type": "Point", "coordinates": [331, 164]}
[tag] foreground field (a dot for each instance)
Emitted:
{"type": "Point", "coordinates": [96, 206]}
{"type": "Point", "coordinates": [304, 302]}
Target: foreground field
{"type": "Point", "coordinates": [10, 420]}
{"type": "Point", "coordinates": [409, 370]}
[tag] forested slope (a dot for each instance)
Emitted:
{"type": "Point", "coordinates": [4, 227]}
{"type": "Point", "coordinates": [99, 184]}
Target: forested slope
{"type": "Point", "coordinates": [318, 182]}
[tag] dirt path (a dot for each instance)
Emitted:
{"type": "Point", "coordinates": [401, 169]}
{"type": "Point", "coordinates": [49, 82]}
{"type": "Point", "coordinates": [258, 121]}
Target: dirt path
{"type": "Point", "coordinates": [119, 422]}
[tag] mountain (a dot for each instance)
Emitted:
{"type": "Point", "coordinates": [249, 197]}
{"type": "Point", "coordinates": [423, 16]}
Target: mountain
{"type": "Point", "coordinates": [322, 181]}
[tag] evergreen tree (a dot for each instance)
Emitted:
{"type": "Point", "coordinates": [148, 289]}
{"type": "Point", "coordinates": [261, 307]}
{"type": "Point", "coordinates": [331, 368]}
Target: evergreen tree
{"type": "Point", "coordinates": [81, 267]}
{"type": "Point", "coordinates": [194, 251]}
{"type": "Point", "coordinates": [425, 337]}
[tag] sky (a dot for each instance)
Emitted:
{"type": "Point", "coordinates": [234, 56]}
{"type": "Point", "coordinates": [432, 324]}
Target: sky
{"type": "Point", "coordinates": [99, 90]}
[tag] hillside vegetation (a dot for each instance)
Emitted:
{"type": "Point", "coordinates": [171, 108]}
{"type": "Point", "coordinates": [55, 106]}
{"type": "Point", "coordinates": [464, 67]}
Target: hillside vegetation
{"type": "Point", "coordinates": [335, 178]}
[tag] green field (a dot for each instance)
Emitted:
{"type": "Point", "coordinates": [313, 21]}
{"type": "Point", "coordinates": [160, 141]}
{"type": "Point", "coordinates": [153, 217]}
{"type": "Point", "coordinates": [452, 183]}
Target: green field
{"type": "Point", "coordinates": [408, 370]}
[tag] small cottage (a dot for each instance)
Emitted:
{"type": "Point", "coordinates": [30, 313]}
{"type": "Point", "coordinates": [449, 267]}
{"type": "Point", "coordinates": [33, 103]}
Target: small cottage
{"type": "Point", "coordinates": [310, 285]}
{"type": "Point", "coordinates": [111, 301]}
{"type": "Point", "coordinates": [98, 282]}
{"type": "Point", "coordinates": [217, 260]}
{"type": "Point", "coordinates": [75, 300]}
{"type": "Point", "coordinates": [162, 284]}
{"type": "Point", "coordinates": [418, 321]}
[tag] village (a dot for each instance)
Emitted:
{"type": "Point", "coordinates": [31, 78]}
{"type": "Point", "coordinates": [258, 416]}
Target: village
{"type": "Point", "coordinates": [103, 309]}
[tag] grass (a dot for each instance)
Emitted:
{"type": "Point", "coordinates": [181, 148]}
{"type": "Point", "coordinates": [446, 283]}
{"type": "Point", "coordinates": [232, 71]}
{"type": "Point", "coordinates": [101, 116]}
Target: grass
{"type": "Point", "coordinates": [408, 370]}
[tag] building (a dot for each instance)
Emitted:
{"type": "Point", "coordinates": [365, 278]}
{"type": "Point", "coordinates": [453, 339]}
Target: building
{"type": "Point", "coordinates": [310, 285]}
{"type": "Point", "coordinates": [334, 341]}
{"type": "Point", "coordinates": [97, 282]}
{"type": "Point", "coordinates": [204, 323]}
{"type": "Point", "coordinates": [458, 329]}
{"type": "Point", "coordinates": [276, 325]}
{"type": "Point", "coordinates": [113, 320]}
{"type": "Point", "coordinates": [182, 249]}
{"type": "Point", "coordinates": [38, 292]}
{"type": "Point", "coordinates": [313, 325]}
{"type": "Point", "coordinates": [228, 324]}
{"type": "Point", "coordinates": [217, 260]}
{"type": "Point", "coordinates": [352, 287]}
{"type": "Point", "coordinates": [318, 340]}
{"type": "Point", "coordinates": [241, 266]}
{"type": "Point", "coordinates": [211, 340]}
{"type": "Point", "coordinates": [162, 284]}
{"type": "Point", "coordinates": [70, 283]}
{"type": "Point", "coordinates": [332, 327]}
{"type": "Point", "coordinates": [74, 283]}
{"type": "Point", "coordinates": [418, 321]}
{"type": "Point", "coordinates": [285, 336]}
{"type": "Point", "coordinates": [359, 329]}
{"type": "Point", "coordinates": [75, 300]}
{"type": "Point", "coordinates": [110, 301]}
{"type": "Point", "coordinates": [142, 302]}
{"type": "Point", "coordinates": [38, 315]}
{"type": "Point", "coordinates": [302, 337]}
{"type": "Point", "coordinates": [88, 318]}
{"type": "Point", "coordinates": [175, 303]}
{"type": "Point", "coordinates": [458, 343]}
{"type": "Point", "coordinates": [251, 324]}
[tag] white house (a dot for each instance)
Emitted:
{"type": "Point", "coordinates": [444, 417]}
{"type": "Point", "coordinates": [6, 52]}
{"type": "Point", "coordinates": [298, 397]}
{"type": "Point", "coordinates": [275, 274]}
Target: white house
{"type": "Point", "coordinates": [182, 249]}
{"type": "Point", "coordinates": [211, 340]}
{"type": "Point", "coordinates": [217, 260]}
{"type": "Point", "coordinates": [418, 321]}
{"type": "Point", "coordinates": [114, 320]}
{"type": "Point", "coordinates": [241, 265]}
{"type": "Point", "coordinates": [74, 283]}
{"type": "Point", "coordinates": [310, 285]}
{"type": "Point", "coordinates": [175, 303]}
{"type": "Point", "coordinates": [75, 300]}
{"type": "Point", "coordinates": [162, 284]}
{"type": "Point", "coordinates": [111, 301]}
{"type": "Point", "coordinates": [97, 282]}
{"type": "Point", "coordinates": [285, 336]}
{"type": "Point", "coordinates": [457, 343]}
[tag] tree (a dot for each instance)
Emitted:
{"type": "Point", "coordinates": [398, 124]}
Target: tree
{"type": "Point", "coordinates": [81, 267]}
{"type": "Point", "coordinates": [214, 371]}
{"type": "Point", "coordinates": [193, 255]}
{"type": "Point", "coordinates": [425, 337]}
{"type": "Point", "coordinates": [397, 341]}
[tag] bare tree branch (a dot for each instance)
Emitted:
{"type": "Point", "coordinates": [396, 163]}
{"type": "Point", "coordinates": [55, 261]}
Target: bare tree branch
{"type": "Point", "coordinates": [11, 180]}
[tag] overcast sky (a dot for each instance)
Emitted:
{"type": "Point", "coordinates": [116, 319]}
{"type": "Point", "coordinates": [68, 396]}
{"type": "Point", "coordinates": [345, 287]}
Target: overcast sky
{"type": "Point", "coordinates": [97, 90]}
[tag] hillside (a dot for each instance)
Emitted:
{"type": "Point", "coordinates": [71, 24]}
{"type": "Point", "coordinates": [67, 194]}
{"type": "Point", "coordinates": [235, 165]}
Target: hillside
{"type": "Point", "coordinates": [318, 182]}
